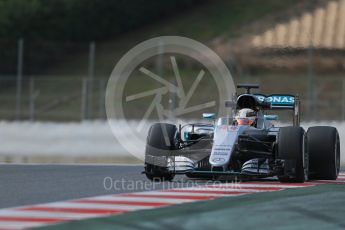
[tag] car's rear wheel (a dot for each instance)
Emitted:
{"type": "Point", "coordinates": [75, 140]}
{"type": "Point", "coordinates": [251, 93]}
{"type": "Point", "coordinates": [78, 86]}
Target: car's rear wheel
{"type": "Point", "coordinates": [324, 152]}
{"type": "Point", "coordinates": [291, 149]}
{"type": "Point", "coordinates": [161, 139]}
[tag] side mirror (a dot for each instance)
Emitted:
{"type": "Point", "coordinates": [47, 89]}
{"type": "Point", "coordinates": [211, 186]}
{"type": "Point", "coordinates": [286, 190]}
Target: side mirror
{"type": "Point", "coordinates": [271, 117]}
{"type": "Point", "coordinates": [209, 116]}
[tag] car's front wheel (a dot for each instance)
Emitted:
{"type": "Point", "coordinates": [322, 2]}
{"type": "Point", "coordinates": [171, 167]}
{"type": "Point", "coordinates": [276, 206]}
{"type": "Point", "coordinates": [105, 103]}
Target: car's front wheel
{"type": "Point", "coordinates": [161, 140]}
{"type": "Point", "coordinates": [291, 149]}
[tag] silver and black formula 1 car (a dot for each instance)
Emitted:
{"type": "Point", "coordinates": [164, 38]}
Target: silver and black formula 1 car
{"type": "Point", "coordinates": [259, 150]}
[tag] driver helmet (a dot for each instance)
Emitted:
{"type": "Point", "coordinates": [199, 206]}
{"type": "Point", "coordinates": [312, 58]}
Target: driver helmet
{"type": "Point", "coordinates": [246, 117]}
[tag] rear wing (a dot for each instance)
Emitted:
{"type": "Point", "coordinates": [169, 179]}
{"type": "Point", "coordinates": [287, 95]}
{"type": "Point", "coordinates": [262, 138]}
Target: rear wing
{"type": "Point", "coordinates": [284, 102]}
{"type": "Point", "coordinates": [278, 101]}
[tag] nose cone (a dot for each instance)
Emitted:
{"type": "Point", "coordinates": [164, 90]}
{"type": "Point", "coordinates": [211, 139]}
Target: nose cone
{"type": "Point", "coordinates": [224, 140]}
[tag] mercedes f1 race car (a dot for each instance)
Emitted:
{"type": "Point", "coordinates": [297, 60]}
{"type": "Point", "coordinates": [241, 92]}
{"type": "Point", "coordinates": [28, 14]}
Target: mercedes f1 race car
{"type": "Point", "coordinates": [245, 146]}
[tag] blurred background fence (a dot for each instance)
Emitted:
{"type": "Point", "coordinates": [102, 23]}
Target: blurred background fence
{"type": "Point", "coordinates": [52, 98]}
{"type": "Point", "coordinates": [69, 84]}
{"type": "Point", "coordinates": [28, 92]}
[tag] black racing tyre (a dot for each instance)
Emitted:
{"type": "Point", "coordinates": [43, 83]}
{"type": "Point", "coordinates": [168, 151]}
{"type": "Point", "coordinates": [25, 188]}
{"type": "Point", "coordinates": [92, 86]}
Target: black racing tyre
{"type": "Point", "coordinates": [291, 149]}
{"type": "Point", "coordinates": [157, 173]}
{"type": "Point", "coordinates": [324, 152]}
{"type": "Point", "coordinates": [161, 137]}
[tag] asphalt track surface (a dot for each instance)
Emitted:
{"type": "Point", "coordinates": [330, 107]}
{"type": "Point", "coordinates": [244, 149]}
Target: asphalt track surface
{"type": "Point", "coordinates": [318, 204]}
{"type": "Point", "coordinates": [33, 184]}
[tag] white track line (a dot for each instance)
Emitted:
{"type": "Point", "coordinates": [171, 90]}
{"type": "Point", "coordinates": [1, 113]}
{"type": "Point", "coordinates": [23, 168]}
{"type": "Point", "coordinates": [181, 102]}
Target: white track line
{"type": "Point", "coordinates": [260, 185]}
{"type": "Point", "coordinates": [222, 189]}
{"type": "Point", "coordinates": [43, 214]}
{"type": "Point", "coordinates": [20, 224]}
{"type": "Point", "coordinates": [182, 194]}
{"type": "Point", "coordinates": [93, 206]}
{"type": "Point", "coordinates": [140, 199]}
